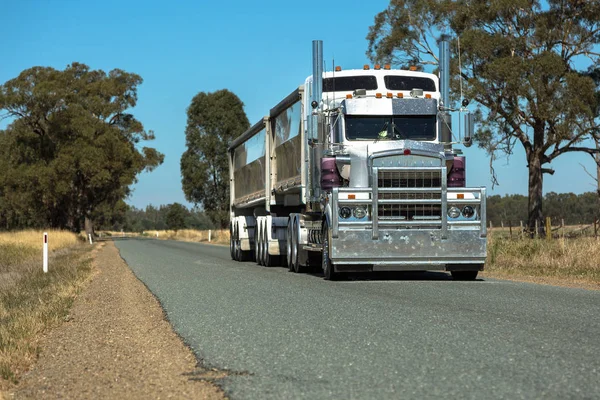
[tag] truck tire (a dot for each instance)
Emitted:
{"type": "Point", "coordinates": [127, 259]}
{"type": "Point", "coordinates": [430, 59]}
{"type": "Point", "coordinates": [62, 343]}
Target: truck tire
{"type": "Point", "coordinates": [328, 271]}
{"type": "Point", "coordinates": [259, 245]}
{"type": "Point", "coordinates": [464, 275]}
{"type": "Point", "coordinates": [231, 242]}
{"type": "Point", "coordinates": [269, 260]}
{"type": "Point", "coordinates": [288, 241]}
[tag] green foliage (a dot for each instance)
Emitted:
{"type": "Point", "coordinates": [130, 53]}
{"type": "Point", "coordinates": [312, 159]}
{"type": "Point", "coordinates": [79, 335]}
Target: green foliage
{"type": "Point", "coordinates": [131, 219]}
{"type": "Point", "coordinates": [521, 63]}
{"type": "Point", "coordinates": [72, 149]}
{"type": "Point", "coordinates": [214, 120]}
{"type": "Point", "coordinates": [176, 216]}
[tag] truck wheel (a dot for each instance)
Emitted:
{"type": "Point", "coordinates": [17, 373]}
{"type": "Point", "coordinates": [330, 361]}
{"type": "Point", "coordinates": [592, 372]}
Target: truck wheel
{"type": "Point", "coordinates": [259, 245]}
{"type": "Point", "coordinates": [288, 241]}
{"type": "Point", "coordinates": [328, 271]}
{"type": "Point", "coordinates": [464, 275]}
{"type": "Point", "coordinates": [231, 242]}
{"type": "Point", "coordinates": [270, 260]}
{"type": "Point", "coordinates": [299, 269]}
{"type": "Point", "coordinates": [237, 250]}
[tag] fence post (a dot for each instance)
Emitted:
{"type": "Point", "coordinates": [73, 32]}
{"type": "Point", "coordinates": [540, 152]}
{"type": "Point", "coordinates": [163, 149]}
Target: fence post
{"type": "Point", "coordinates": [502, 224]}
{"type": "Point", "coordinates": [209, 235]}
{"type": "Point", "coordinates": [510, 228]}
{"type": "Point", "coordinates": [562, 227]}
{"type": "Point", "coordinates": [491, 225]}
{"type": "Point", "coordinates": [537, 229]}
{"type": "Point", "coordinates": [45, 253]}
{"type": "Point", "coordinates": [521, 228]}
{"type": "Point", "coordinates": [548, 228]}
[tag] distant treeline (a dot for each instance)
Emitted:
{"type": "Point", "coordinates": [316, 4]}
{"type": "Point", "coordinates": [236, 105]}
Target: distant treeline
{"type": "Point", "coordinates": [574, 209]}
{"type": "Point", "coordinates": [171, 216]}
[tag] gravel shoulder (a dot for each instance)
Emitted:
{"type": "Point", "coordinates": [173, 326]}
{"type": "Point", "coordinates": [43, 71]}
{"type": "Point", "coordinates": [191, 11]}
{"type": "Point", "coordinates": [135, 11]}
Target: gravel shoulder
{"type": "Point", "coordinates": [116, 343]}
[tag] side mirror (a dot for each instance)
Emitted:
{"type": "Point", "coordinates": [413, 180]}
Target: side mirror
{"type": "Point", "coordinates": [469, 119]}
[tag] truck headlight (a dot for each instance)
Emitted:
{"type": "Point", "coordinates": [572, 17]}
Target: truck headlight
{"type": "Point", "coordinates": [453, 212]}
{"type": "Point", "coordinates": [345, 212]}
{"type": "Point", "coordinates": [359, 212]}
{"type": "Point", "coordinates": [468, 212]}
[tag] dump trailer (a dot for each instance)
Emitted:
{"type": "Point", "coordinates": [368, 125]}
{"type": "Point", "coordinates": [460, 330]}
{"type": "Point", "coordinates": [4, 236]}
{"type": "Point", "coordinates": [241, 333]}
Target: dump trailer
{"type": "Point", "coordinates": [356, 171]}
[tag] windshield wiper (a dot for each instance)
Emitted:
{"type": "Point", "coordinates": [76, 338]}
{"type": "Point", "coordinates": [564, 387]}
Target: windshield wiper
{"type": "Point", "coordinates": [400, 134]}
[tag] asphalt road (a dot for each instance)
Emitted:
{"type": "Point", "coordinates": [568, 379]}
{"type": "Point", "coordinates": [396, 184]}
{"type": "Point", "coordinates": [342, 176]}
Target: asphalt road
{"type": "Point", "coordinates": [409, 336]}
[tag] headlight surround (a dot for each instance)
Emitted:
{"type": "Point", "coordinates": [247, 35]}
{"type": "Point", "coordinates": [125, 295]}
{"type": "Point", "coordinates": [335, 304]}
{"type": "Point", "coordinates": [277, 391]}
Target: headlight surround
{"type": "Point", "coordinates": [359, 212]}
{"type": "Point", "coordinates": [345, 212]}
{"type": "Point", "coordinates": [468, 212]}
{"type": "Point", "coordinates": [453, 212]}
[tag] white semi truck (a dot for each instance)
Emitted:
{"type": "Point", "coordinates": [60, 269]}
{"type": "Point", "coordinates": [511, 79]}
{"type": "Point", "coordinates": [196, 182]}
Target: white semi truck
{"type": "Point", "coordinates": [355, 171]}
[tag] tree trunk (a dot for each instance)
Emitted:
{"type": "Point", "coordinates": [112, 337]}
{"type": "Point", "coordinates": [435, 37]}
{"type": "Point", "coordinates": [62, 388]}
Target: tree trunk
{"type": "Point", "coordinates": [536, 180]}
{"type": "Point", "coordinates": [89, 226]}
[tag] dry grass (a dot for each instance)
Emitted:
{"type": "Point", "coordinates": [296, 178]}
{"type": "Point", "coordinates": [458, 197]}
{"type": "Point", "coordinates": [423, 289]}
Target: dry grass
{"type": "Point", "coordinates": [220, 236]}
{"type": "Point", "coordinates": [577, 260]}
{"type": "Point", "coordinates": [31, 301]}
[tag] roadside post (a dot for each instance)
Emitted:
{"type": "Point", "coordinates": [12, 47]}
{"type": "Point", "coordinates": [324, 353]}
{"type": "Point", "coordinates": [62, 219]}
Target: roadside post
{"type": "Point", "coordinates": [90, 237]}
{"type": "Point", "coordinates": [45, 253]}
{"type": "Point", "coordinates": [209, 235]}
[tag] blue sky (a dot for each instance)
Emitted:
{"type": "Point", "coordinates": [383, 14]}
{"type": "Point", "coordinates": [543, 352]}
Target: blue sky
{"type": "Point", "coordinates": [260, 50]}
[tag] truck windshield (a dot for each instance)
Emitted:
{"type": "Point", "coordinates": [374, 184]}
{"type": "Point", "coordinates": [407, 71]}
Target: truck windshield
{"type": "Point", "coordinates": [413, 127]}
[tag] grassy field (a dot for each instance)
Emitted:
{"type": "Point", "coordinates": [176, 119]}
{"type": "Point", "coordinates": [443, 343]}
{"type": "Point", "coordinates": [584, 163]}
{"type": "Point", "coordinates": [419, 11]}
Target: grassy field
{"type": "Point", "coordinates": [575, 260]}
{"type": "Point", "coordinates": [30, 301]}
{"type": "Point", "coordinates": [218, 236]}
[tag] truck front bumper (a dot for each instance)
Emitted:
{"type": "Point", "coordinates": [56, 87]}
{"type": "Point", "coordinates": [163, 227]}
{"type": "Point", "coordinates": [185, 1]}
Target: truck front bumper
{"type": "Point", "coordinates": [408, 250]}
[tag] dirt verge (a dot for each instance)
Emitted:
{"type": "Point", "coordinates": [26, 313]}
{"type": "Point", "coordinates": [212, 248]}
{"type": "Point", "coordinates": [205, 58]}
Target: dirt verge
{"type": "Point", "coordinates": [116, 343]}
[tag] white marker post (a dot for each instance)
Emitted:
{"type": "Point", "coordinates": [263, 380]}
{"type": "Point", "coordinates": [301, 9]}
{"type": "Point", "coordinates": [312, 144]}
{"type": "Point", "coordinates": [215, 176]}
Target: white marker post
{"type": "Point", "coordinates": [90, 236]}
{"type": "Point", "coordinates": [209, 235]}
{"type": "Point", "coordinates": [45, 253]}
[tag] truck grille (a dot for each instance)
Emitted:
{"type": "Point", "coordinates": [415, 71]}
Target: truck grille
{"type": "Point", "coordinates": [409, 179]}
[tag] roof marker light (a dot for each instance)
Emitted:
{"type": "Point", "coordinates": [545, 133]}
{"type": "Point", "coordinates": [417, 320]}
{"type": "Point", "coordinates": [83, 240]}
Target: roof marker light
{"type": "Point", "coordinates": [387, 66]}
{"type": "Point", "coordinates": [389, 95]}
{"type": "Point", "coordinates": [338, 68]}
{"type": "Point", "coordinates": [377, 66]}
{"type": "Point", "coordinates": [412, 68]}
{"type": "Point", "coordinates": [348, 96]}
{"type": "Point", "coordinates": [378, 95]}
{"type": "Point", "coordinates": [366, 67]}
{"type": "Point", "coordinates": [428, 96]}
{"type": "Point", "coordinates": [400, 95]}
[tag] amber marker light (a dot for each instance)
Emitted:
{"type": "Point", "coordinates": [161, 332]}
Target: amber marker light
{"type": "Point", "coordinates": [377, 66]}
{"type": "Point", "coordinates": [348, 96]}
{"type": "Point", "coordinates": [338, 68]}
{"type": "Point", "coordinates": [427, 96]}
{"type": "Point", "coordinates": [460, 196]}
{"type": "Point", "coordinates": [366, 67]}
{"type": "Point", "coordinates": [400, 95]}
{"type": "Point", "coordinates": [389, 95]}
{"type": "Point", "coordinates": [351, 197]}
{"type": "Point", "coordinates": [387, 66]}
{"type": "Point", "coordinates": [412, 68]}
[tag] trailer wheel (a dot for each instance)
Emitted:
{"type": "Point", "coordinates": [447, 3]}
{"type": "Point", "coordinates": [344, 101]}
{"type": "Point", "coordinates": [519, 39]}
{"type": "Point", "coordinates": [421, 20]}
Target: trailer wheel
{"type": "Point", "coordinates": [259, 244]}
{"type": "Point", "coordinates": [464, 275]}
{"type": "Point", "coordinates": [269, 259]}
{"type": "Point", "coordinates": [231, 242]}
{"type": "Point", "coordinates": [328, 271]}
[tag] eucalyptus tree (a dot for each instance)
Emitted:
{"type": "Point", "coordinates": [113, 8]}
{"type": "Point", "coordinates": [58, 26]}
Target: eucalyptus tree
{"type": "Point", "coordinates": [529, 66]}
{"type": "Point", "coordinates": [72, 145]}
{"type": "Point", "coordinates": [214, 119]}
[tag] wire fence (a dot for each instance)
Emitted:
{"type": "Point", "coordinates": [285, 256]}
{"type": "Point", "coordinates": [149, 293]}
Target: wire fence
{"type": "Point", "coordinates": [512, 230]}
